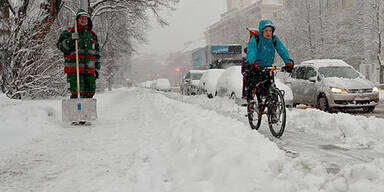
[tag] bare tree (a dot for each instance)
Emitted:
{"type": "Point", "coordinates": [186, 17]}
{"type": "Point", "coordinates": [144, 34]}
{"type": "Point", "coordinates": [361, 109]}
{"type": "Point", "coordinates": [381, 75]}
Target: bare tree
{"type": "Point", "coordinates": [28, 67]}
{"type": "Point", "coordinates": [25, 46]}
{"type": "Point", "coordinates": [375, 14]}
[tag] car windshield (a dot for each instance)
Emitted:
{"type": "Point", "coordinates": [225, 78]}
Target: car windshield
{"type": "Point", "coordinates": [340, 71]}
{"type": "Point", "coordinates": [197, 76]}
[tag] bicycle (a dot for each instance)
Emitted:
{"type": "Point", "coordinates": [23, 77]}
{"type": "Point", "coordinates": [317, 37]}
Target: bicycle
{"type": "Point", "coordinates": [273, 101]}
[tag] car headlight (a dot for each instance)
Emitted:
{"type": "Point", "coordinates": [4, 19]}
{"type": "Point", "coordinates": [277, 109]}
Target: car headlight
{"type": "Point", "coordinates": [338, 90]}
{"type": "Point", "coordinates": [375, 89]}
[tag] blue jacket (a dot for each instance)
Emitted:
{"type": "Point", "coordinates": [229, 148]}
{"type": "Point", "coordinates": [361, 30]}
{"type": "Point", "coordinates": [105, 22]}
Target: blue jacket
{"type": "Point", "coordinates": [264, 53]}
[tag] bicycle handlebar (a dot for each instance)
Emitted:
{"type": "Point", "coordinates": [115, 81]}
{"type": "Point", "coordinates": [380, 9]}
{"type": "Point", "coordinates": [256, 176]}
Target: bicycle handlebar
{"type": "Point", "coordinates": [271, 69]}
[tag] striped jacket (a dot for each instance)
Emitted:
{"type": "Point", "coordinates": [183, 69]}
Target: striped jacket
{"type": "Point", "coordinates": [89, 50]}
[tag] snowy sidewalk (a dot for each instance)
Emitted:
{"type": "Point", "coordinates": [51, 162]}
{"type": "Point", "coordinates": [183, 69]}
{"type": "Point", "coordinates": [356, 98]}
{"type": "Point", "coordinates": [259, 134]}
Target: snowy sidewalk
{"type": "Point", "coordinates": [145, 141]}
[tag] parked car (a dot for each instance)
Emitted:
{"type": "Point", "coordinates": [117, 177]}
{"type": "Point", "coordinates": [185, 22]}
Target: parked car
{"type": "Point", "coordinates": [153, 84]}
{"type": "Point", "coordinates": [191, 81]}
{"type": "Point", "coordinates": [163, 85]}
{"type": "Point", "coordinates": [208, 81]}
{"type": "Point", "coordinates": [332, 84]}
{"type": "Point", "coordinates": [148, 84]}
{"type": "Point", "coordinates": [230, 85]}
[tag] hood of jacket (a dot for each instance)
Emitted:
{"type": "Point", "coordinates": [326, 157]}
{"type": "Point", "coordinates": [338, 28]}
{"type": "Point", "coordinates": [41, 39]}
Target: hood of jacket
{"type": "Point", "coordinates": [83, 12]}
{"type": "Point", "coordinates": [265, 23]}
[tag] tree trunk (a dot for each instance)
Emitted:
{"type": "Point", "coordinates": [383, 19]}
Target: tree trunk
{"type": "Point", "coordinates": [308, 6]}
{"type": "Point", "coordinates": [381, 74]}
{"type": "Point", "coordinates": [4, 9]}
{"type": "Point", "coordinates": [377, 7]}
{"type": "Point", "coordinates": [110, 84]}
{"type": "Point", "coordinates": [44, 26]}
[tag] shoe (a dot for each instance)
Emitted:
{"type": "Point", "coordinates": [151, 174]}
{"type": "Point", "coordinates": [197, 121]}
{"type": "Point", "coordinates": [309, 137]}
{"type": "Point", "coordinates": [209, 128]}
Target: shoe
{"type": "Point", "coordinates": [251, 109]}
{"type": "Point", "coordinates": [261, 109]}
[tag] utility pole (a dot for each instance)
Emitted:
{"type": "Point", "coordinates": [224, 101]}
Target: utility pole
{"type": "Point", "coordinates": [84, 4]}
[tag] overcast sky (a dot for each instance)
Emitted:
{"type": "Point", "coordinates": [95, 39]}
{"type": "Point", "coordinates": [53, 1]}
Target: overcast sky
{"type": "Point", "coordinates": [187, 23]}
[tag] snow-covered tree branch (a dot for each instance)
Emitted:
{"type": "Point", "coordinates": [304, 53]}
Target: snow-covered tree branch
{"type": "Point", "coordinates": [29, 30]}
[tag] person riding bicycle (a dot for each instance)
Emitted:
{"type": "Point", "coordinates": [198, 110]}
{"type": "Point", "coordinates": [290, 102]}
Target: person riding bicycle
{"type": "Point", "coordinates": [261, 53]}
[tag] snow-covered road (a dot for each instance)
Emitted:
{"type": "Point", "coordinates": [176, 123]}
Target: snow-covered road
{"type": "Point", "coordinates": [151, 141]}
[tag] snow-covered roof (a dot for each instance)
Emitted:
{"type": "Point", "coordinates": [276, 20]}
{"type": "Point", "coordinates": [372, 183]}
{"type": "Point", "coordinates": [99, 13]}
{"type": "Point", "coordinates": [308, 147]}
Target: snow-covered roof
{"type": "Point", "coordinates": [197, 71]}
{"type": "Point", "coordinates": [254, 1]}
{"type": "Point", "coordinates": [325, 62]}
{"type": "Point", "coordinates": [270, 2]}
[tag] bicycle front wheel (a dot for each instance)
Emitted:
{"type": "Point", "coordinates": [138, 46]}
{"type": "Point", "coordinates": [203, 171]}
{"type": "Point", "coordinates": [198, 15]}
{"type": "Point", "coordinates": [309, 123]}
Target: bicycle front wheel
{"type": "Point", "coordinates": [254, 117]}
{"type": "Point", "coordinates": [276, 113]}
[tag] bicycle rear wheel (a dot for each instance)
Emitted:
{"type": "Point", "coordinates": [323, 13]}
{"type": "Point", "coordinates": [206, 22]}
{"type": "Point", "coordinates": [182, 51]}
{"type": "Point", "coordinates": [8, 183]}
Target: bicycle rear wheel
{"type": "Point", "coordinates": [254, 117]}
{"type": "Point", "coordinates": [276, 113]}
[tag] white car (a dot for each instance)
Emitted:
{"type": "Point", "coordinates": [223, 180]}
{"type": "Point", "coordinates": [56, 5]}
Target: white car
{"type": "Point", "coordinates": [208, 81]}
{"type": "Point", "coordinates": [153, 84]}
{"type": "Point", "coordinates": [148, 84]}
{"type": "Point", "coordinates": [231, 81]}
{"type": "Point", "coordinates": [332, 84]}
{"type": "Point", "coordinates": [163, 85]}
{"type": "Point", "coordinates": [191, 81]}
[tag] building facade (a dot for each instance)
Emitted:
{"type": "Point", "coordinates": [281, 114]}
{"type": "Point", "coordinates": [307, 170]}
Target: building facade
{"type": "Point", "coordinates": [237, 4]}
{"type": "Point", "coordinates": [240, 15]}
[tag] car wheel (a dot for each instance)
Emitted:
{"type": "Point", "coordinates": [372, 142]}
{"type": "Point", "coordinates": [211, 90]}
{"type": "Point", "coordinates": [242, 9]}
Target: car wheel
{"type": "Point", "coordinates": [323, 104]}
{"type": "Point", "coordinates": [369, 109]}
{"type": "Point", "coordinates": [210, 95]}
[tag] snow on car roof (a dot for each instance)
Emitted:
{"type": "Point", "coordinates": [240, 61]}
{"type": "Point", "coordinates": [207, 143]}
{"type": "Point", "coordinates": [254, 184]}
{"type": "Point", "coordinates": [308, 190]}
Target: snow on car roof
{"type": "Point", "coordinates": [325, 62]}
{"type": "Point", "coordinates": [211, 70]}
{"type": "Point", "coordinates": [197, 71]}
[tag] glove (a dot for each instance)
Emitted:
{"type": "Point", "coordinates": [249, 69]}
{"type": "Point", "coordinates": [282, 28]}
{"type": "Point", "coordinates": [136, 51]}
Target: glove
{"type": "Point", "coordinates": [75, 36]}
{"type": "Point", "coordinates": [288, 67]}
{"type": "Point", "coordinates": [96, 74]}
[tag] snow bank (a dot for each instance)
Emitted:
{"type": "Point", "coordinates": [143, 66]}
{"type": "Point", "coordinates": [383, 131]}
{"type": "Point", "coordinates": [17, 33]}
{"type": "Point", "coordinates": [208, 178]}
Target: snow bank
{"type": "Point", "coordinates": [22, 121]}
{"type": "Point", "coordinates": [353, 130]}
{"type": "Point", "coordinates": [223, 155]}
{"type": "Point", "coordinates": [361, 177]}
{"type": "Point", "coordinates": [211, 152]}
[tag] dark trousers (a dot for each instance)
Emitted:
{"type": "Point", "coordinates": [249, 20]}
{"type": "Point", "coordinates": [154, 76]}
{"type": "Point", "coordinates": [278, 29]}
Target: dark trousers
{"type": "Point", "coordinates": [254, 77]}
{"type": "Point", "coordinates": [87, 85]}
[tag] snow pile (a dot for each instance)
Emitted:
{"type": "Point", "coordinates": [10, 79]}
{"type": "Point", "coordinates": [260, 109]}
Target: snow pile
{"type": "Point", "coordinates": [22, 121]}
{"type": "Point", "coordinates": [355, 131]}
{"type": "Point", "coordinates": [361, 177]}
{"type": "Point", "coordinates": [210, 152]}
{"type": "Point", "coordinates": [219, 153]}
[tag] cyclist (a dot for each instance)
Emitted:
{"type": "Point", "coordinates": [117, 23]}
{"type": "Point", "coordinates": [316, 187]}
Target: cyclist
{"type": "Point", "coordinates": [261, 53]}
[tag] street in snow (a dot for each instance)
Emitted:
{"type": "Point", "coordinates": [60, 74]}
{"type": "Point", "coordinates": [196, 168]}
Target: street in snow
{"type": "Point", "coordinates": [147, 140]}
